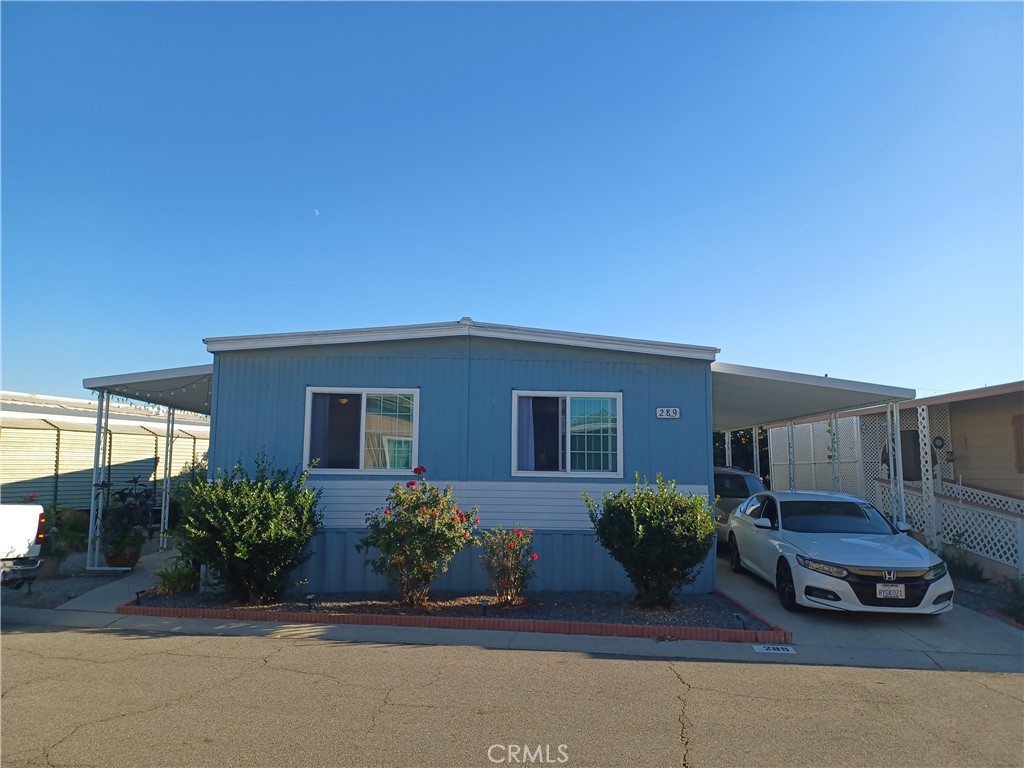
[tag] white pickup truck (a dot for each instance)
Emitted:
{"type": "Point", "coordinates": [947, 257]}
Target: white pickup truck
{"type": "Point", "coordinates": [22, 527]}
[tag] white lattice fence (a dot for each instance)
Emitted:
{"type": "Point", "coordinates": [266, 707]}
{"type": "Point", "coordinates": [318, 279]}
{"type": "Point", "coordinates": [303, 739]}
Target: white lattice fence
{"type": "Point", "coordinates": [985, 499]}
{"type": "Point", "coordinates": [991, 535]}
{"type": "Point", "coordinates": [999, 536]}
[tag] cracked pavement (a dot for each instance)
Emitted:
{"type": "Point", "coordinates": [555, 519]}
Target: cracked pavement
{"type": "Point", "coordinates": [108, 698]}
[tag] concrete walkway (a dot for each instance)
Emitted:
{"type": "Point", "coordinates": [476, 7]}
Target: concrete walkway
{"type": "Point", "coordinates": [959, 640]}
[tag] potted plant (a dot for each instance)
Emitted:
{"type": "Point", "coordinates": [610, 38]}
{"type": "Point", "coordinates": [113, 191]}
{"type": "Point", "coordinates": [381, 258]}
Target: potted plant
{"type": "Point", "coordinates": [122, 529]}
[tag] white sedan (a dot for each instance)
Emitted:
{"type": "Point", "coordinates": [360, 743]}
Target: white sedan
{"type": "Point", "coordinates": [829, 550]}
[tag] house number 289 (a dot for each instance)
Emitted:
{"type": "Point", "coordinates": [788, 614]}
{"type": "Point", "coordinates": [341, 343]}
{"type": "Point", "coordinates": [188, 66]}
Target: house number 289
{"type": "Point", "coordinates": [667, 413]}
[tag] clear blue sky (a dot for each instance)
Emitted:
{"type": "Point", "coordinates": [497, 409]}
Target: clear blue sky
{"type": "Point", "coordinates": [834, 188]}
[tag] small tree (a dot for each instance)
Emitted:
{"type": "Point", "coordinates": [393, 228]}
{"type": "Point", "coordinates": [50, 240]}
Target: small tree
{"type": "Point", "coordinates": [659, 536]}
{"type": "Point", "coordinates": [508, 559]}
{"type": "Point", "coordinates": [251, 531]}
{"type": "Point", "coordinates": [416, 536]}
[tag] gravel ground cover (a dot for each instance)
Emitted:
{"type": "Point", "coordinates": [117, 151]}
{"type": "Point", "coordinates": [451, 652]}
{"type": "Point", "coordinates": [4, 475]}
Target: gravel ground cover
{"type": "Point", "coordinates": [601, 607]}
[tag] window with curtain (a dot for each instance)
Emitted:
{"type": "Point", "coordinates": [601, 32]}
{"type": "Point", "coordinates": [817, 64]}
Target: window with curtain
{"type": "Point", "coordinates": [362, 429]}
{"type": "Point", "coordinates": [567, 432]}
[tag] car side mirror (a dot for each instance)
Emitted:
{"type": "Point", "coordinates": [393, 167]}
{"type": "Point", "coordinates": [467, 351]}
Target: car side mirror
{"type": "Point", "coordinates": [903, 527]}
{"type": "Point", "coordinates": [763, 522]}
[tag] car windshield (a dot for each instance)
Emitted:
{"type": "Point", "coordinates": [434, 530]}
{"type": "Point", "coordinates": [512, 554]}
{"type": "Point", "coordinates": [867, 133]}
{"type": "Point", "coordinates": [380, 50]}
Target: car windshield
{"type": "Point", "coordinates": [829, 516]}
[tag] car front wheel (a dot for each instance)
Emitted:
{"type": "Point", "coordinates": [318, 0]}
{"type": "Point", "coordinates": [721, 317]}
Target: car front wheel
{"type": "Point", "coordinates": [785, 587]}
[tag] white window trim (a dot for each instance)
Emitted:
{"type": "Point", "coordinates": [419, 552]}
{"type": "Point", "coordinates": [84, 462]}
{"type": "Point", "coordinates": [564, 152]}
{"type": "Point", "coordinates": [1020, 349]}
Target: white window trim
{"type": "Point", "coordinates": [516, 472]}
{"type": "Point", "coordinates": [362, 391]}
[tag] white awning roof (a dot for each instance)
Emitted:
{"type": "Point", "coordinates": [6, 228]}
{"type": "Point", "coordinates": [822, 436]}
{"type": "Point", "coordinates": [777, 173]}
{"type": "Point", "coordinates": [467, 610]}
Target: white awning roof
{"type": "Point", "coordinates": [741, 396]}
{"type": "Point", "coordinates": [185, 389]}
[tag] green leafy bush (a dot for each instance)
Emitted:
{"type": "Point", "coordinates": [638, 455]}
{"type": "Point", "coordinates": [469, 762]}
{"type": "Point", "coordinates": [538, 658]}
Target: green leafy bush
{"type": "Point", "coordinates": [250, 530]}
{"type": "Point", "coordinates": [126, 518]}
{"type": "Point", "coordinates": [67, 530]}
{"type": "Point", "coordinates": [659, 536]}
{"type": "Point", "coordinates": [182, 489]}
{"type": "Point", "coordinates": [508, 558]}
{"type": "Point", "coordinates": [416, 536]}
{"type": "Point", "coordinates": [176, 576]}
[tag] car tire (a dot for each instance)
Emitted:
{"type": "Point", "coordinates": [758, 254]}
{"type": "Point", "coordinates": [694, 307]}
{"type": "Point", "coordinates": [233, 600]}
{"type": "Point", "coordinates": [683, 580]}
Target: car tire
{"type": "Point", "coordinates": [785, 587]}
{"type": "Point", "coordinates": [735, 562]}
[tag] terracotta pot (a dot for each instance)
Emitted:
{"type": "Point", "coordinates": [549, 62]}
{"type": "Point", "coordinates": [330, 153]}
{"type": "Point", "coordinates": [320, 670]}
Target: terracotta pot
{"type": "Point", "coordinates": [123, 559]}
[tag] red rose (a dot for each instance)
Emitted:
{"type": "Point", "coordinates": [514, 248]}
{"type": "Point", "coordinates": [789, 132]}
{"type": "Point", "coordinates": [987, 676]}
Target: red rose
{"type": "Point", "coordinates": [387, 511]}
{"type": "Point", "coordinates": [504, 583]}
{"type": "Point", "coordinates": [477, 521]}
{"type": "Point", "coordinates": [511, 545]}
{"type": "Point", "coordinates": [519, 533]}
{"type": "Point", "coordinates": [533, 556]}
{"type": "Point", "coordinates": [411, 484]}
{"type": "Point", "coordinates": [419, 470]}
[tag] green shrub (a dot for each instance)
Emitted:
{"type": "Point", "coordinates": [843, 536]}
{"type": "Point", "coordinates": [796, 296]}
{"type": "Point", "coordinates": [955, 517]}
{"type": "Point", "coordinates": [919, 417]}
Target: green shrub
{"type": "Point", "coordinates": [67, 530]}
{"type": "Point", "coordinates": [508, 559]}
{"type": "Point", "coordinates": [659, 536]}
{"type": "Point", "coordinates": [250, 531]}
{"type": "Point", "coordinates": [176, 576]}
{"type": "Point", "coordinates": [182, 489]}
{"type": "Point", "coordinates": [416, 536]}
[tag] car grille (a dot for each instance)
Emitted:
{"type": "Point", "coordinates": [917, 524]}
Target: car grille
{"type": "Point", "coordinates": [863, 582]}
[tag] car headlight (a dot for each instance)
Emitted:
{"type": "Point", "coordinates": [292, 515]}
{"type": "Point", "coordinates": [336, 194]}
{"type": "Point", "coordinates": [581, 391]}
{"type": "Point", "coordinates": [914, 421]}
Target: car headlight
{"type": "Point", "coordinates": [937, 571]}
{"type": "Point", "coordinates": [827, 568]}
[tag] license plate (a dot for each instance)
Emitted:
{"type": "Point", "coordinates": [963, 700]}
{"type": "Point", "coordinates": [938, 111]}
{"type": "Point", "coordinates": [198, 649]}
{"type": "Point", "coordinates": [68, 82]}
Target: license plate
{"type": "Point", "coordinates": [891, 591]}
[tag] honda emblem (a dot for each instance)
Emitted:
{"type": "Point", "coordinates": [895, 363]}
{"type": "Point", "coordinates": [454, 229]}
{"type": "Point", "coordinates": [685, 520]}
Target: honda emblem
{"type": "Point", "coordinates": [889, 575]}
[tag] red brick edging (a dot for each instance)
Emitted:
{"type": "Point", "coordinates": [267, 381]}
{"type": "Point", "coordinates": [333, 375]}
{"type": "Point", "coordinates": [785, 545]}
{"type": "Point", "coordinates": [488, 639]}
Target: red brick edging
{"type": "Point", "coordinates": [771, 636]}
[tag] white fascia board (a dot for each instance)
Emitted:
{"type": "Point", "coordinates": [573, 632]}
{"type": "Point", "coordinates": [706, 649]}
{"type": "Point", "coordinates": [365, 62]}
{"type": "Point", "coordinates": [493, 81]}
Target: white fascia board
{"type": "Point", "coordinates": [462, 328]}
{"type": "Point", "coordinates": [884, 392]}
{"type": "Point", "coordinates": [316, 338]}
{"type": "Point", "coordinates": [103, 382]}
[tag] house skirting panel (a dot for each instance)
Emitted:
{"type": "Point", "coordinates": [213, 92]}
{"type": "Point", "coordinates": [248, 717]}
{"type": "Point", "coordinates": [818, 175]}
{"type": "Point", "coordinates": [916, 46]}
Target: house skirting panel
{"type": "Point", "coordinates": [569, 561]}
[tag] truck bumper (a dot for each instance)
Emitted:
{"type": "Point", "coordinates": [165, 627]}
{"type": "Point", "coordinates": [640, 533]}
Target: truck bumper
{"type": "Point", "coordinates": [20, 570]}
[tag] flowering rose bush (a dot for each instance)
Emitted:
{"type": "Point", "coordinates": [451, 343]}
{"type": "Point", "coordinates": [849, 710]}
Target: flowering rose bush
{"type": "Point", "coordinates": [416, 535]}
{"type": "Point", "coordinates": [508, 557]}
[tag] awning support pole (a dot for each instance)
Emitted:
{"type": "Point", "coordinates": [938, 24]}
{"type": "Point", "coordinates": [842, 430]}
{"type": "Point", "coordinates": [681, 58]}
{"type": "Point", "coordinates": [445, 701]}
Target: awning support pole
{"type": "Point", "coordinates": [99, 465]}
{"type": "Point", "coordinates": [791, 437]}
{"type": "Point", "coordinates": [931, 508]}
{"type": "Point", "coordinates": [165, 501]}
{"type": "Point", "coordinates": [833, 428]}
{"type": "Point", "coordinates": [728, 448]}
{"type": "Point", "coordinates": [757, 452]}
{"type": "Point", "coordinates": [898, 450]}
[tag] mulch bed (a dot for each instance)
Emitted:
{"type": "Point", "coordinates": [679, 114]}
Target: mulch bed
{"type": "Point", "coordinates": [694, 617]}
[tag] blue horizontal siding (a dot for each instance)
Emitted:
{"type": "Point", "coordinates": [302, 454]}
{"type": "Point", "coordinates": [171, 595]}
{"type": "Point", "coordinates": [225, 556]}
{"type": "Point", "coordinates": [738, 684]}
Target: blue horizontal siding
{"type": "Point", "coordinates": [569, 561]}
{"type": "Point", "coordinates": [465, 405]}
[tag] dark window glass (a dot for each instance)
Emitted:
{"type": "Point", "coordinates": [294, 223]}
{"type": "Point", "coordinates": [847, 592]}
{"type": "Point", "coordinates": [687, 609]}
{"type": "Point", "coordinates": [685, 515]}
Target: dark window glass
{"type": "Point", "coordinates": [334, 430]}
{"type": "Point", "coordinates": [834, 517]}
{"type": "Point", "coordinates": [547, 443]}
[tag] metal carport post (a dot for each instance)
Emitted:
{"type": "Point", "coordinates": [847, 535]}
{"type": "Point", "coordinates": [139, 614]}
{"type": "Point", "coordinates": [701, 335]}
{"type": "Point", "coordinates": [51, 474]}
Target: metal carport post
{"type": "Point", "coordinates": [98, 496]}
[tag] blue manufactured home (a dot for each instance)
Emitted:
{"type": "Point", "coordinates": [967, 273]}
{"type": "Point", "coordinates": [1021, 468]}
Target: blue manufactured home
{"type": "Point", "coordinates": [519, 421]}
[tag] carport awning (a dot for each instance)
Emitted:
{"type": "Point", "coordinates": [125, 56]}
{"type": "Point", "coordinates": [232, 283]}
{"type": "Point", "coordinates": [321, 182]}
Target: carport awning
{"type": "Point", "coordinates": [744, 397]}
{"type": "Point", "coordinates": [184, 389]}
